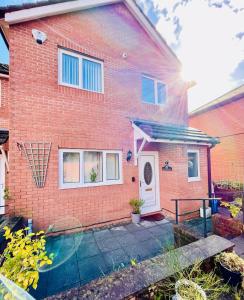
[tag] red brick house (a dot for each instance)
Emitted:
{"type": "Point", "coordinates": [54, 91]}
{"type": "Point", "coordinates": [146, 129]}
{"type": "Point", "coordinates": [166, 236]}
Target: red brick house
{"type": "Point", "coordinates": [97, 81]}
{"type": "Point", "coordinates": [223, 118]}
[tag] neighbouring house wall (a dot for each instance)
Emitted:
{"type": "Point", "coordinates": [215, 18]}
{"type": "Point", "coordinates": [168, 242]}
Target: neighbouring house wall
{"type": "Point", "coordinates": [4, 103]}
{"type": "Point", "coordinates": [225, 122]}
{"type": "Point", "coordinates": [41, 110]}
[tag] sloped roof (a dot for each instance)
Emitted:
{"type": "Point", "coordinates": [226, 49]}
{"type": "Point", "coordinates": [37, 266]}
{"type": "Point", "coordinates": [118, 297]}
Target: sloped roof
{"type": "Point", "coordinates": [44, 8]}
{"type": "Point", "coordinates": [231, 96]}
{"type": "Point", "coordinates": [4, 69]}
{"type": "Point", "coordinates": [158, 131]}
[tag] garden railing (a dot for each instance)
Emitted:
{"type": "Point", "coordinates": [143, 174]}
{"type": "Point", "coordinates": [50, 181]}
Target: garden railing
{"type": "Point", "coordinates": [204, 206]}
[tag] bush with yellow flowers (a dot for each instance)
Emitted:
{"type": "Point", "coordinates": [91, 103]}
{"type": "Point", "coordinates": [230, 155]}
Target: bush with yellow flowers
{"type": "Point", "coordinates": [24, 255]}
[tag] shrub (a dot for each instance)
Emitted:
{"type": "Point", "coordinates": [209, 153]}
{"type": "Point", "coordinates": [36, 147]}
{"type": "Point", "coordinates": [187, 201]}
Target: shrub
{"type": "Point", "coordinates": [136, 205]}
{"type": "Point", "coordinates": [23, 256]}
{"type": "Point", "coordinates": [229, 185]}
{"type": "Point", "coordinates": [234, 208]}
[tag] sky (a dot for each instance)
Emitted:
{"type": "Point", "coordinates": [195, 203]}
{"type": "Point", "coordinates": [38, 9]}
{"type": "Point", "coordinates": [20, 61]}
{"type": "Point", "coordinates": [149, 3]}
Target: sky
{"type": "Point", "coordinates": [206, 35]}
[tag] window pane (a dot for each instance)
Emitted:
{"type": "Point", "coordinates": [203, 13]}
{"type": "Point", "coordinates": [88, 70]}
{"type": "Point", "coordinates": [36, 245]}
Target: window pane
{"type": "Point", "coordinates": [71, 167]}
{"type": "Point", "coordinates": [70, 69]}
{"type": "Point", "coordinates": [93, 162]}
{"type": "Point", "coordinates": [192, 165]}
{"type": "Point", "coordinates": [112, 163]}
{"type": "Point", "coordinates": [161, 93]}
{"type": "Point", "coordinates": [92, 75]}
{"type": "Point", "coordinates": [148, 93]}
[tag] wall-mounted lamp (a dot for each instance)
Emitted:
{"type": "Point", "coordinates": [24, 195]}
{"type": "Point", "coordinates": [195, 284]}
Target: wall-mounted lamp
{"type": "Point", "coordinates": [129, 155]}
{"type": "Point", "coordinates": [166, 166]}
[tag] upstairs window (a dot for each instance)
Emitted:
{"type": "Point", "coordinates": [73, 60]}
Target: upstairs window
{"type": "Point", "coordinates": [153, 91]}
{"type": "Point", "coordinates": [76, 70]}
{"type": "Point", "coordinates": [193, 165]}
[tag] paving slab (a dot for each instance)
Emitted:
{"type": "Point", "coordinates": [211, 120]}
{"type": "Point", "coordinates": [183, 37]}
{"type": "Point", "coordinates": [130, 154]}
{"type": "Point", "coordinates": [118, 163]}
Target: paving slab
{"type": "Point", "coordinates": [108, 244]}
{"type": "Point", "coordinates": [116, 259]}
{"type": "Point", "coordinates": [103, 234]}
{"type": "Point", "coordinates": [87, 249]}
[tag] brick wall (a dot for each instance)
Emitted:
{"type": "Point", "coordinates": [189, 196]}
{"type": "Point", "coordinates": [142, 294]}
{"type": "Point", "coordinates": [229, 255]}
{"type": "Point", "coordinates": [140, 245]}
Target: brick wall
{"type": "Point", "coordinates": [226, 226]}
{"type": "Point", "coordinates": [225, 122]}
{"type": "Point", "coordinates": [4, 103]}
{"type": "Point", "coordinates": [41, 110]}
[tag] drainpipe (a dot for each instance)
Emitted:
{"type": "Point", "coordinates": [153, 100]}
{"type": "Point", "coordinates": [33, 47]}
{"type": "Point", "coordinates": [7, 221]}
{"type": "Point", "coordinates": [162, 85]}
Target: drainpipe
{"type": "Point", "coordinates": [209, 171]}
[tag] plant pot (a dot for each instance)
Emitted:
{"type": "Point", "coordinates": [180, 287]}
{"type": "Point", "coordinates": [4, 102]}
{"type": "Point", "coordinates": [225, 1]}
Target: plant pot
{"type": "Point", "coordinates": [136, 218]}
{"type": "Point", "coordinates": [230, 277]}
{"type": "Point", "coordinates": [207, 210]}
{"type": "Point", "coordinates": [187, 282]}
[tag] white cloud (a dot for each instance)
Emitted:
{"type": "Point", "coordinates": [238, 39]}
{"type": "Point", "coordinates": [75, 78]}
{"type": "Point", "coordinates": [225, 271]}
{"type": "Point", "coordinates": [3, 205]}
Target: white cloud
{"type": "Point", "coordinates": [206, 44]}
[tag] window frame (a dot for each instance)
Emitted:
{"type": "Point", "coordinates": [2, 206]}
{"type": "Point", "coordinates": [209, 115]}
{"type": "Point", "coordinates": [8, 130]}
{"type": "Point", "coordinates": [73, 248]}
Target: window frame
{"type": "Point", "coordinates": [80, 69]}
{"type": "Point", "coordinates": [155, 81]}
{"type": "Point", "coordinates": [197, 178]}
{"type": "Point", "coordinates": [82, 183]}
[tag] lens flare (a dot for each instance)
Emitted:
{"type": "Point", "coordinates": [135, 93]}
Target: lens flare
{"type": "Point", "coordinates": [63, 240]}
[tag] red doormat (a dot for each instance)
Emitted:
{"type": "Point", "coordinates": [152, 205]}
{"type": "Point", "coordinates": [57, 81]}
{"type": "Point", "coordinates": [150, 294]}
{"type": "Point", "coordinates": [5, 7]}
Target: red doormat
{"type": "Point", "coordinates": [155, 217]}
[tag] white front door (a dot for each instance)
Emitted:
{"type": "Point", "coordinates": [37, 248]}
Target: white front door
{"type": "Point", "coordinates": [2, 185]}
{"type": "Point", "coordinates": [149, 181]}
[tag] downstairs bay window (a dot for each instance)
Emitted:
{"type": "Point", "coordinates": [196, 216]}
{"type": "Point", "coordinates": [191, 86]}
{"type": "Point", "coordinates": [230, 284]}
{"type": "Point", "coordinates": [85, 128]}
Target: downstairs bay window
{"type": "Point", "coordinates": [82, 168]}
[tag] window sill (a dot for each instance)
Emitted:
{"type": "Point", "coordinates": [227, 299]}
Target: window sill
{"type": "Point", "coordinates": [154, 104]}
{"type": "Point", "coordinates": [79, 88]}
{"type": "Point", "coordinates": [193, 179]}
{"type": "Point", "coordinates": [75, 186]}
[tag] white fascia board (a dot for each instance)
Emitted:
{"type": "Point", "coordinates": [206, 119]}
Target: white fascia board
{"type": "Point", "coordinates": [29, 14]}
{"type": "Point", "coordinates": [179, 142]}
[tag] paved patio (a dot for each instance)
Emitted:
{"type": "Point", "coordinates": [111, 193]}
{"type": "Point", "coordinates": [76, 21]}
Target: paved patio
{"type": "Point", "coordinates": [101, 252]}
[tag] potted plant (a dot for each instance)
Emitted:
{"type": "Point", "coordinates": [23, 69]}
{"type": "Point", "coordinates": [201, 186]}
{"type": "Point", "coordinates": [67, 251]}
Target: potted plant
{"type": "Point", "coordinates": [93, 175]}
{"type": "Point", "coordinates": [136, 205]}
{"type": "Point", "coordinates": [187, 289]}
{"type": "Point", "coordinates": [231, 267]}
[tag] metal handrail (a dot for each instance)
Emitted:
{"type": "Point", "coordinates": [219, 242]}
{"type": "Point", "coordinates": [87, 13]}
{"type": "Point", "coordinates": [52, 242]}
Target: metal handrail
{"type": "Point", "coordinates": [177, 215]}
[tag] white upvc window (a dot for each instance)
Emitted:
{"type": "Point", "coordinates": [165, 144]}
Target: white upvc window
{"type": "Point", "coordinates": [79, 71]}
{"type": "Point", "coordinates": [154, 91]}
{"type": "Point", "coordinates": [83, 168]}
{"type": "Point", "coordinates": [193, 165]}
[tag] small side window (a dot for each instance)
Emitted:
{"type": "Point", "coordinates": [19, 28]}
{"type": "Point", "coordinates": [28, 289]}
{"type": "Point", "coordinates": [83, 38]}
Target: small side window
{"type": "Point", "coordinates": [193, 165]}
{"type": "Point", "coordinates": [153, 91]}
